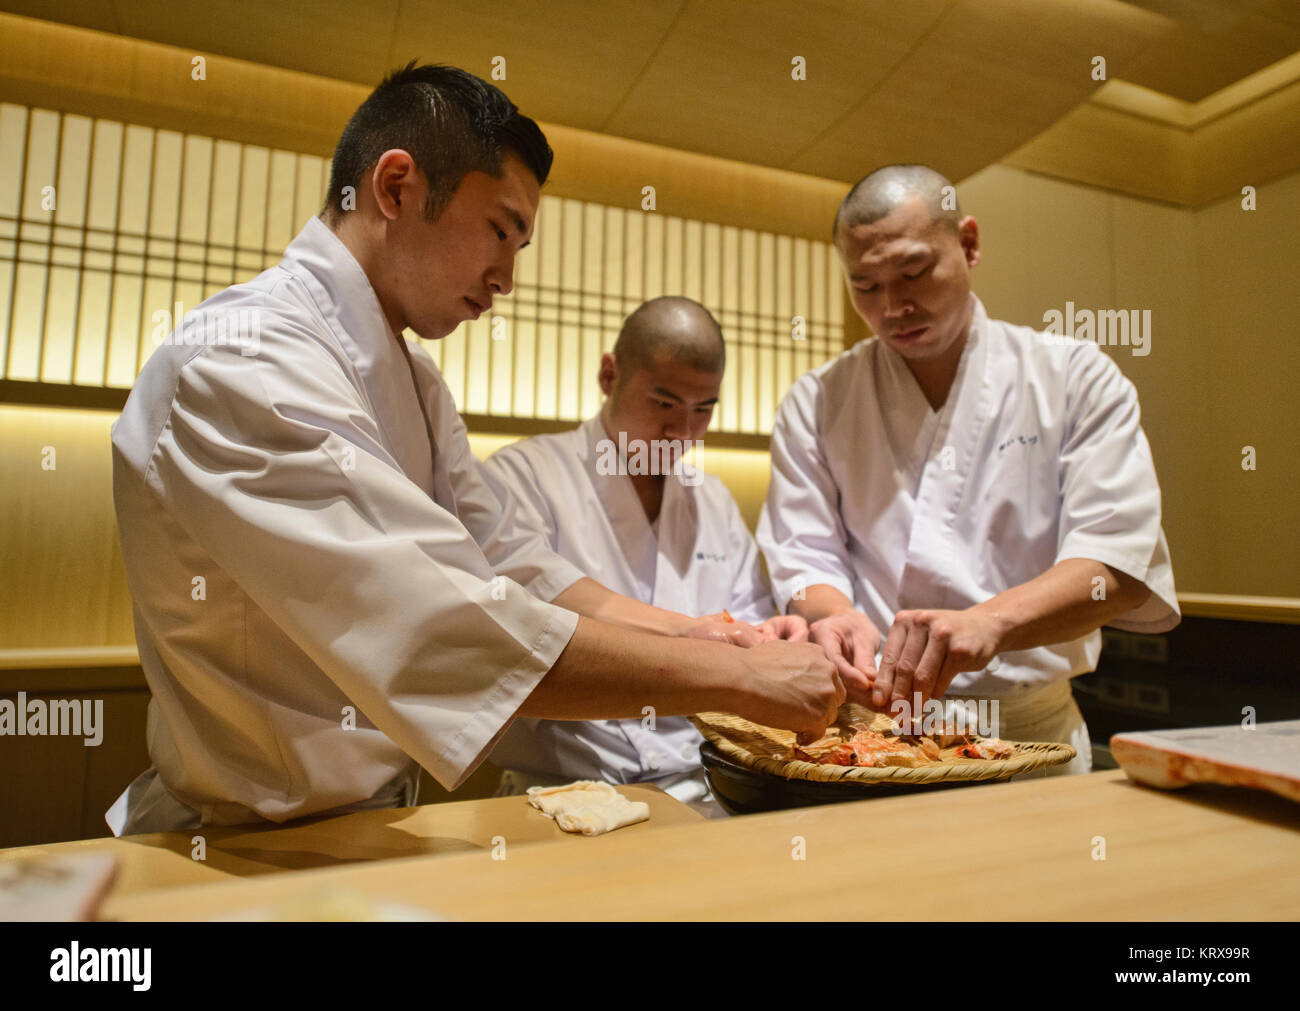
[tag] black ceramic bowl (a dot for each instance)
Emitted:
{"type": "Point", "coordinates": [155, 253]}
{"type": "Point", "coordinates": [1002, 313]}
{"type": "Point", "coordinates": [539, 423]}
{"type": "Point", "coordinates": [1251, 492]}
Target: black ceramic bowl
{"type": "Point", "coordinates": [742, 790]}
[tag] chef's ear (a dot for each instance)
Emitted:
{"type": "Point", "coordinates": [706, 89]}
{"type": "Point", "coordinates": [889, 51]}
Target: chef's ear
{"type": "Point", "coordinates": [395, 178]}
{"type": "Point", "coordinates": [968, 234]}
{"type": "Point", "coordinates": [608, 375]}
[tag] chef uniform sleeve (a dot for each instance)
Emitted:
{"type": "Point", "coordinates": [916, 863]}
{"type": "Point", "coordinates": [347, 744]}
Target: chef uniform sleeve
{"type": "Point", "coordinates": [800, 529]}
{"type": "Point", "coordinates": [1110, 498]}
{"type": "Point", "coordinates": [276, 469]}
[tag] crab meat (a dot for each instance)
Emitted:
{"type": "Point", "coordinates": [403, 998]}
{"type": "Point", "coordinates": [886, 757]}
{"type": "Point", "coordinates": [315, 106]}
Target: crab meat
{"type": "Point", "coordinates": [929, 748]}
{"type": "Point", "coordinates": [988, 748]}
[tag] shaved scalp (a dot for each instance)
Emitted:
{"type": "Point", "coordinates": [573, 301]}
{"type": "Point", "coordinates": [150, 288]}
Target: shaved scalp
{"type": "Point", "coordinates": [672, 327]}
{"type": "Point", "coordinates": [879, 194]}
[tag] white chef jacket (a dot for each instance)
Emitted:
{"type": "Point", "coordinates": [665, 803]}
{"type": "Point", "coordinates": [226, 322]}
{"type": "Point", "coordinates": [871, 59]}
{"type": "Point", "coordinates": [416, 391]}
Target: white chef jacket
{"type": "Point", "coordinates": [699, 558]}
{"type": "Point", "coordinates": [316, 606]}
{"type": "Point", "coordinates": [1037, 456]}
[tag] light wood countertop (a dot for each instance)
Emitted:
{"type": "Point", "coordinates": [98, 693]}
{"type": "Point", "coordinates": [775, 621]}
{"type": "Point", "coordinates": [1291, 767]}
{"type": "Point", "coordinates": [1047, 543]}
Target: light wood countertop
{"type": "Point", "coordinates": [1022, 850]}
{"type": "Point", "coordinates": [164, 860]}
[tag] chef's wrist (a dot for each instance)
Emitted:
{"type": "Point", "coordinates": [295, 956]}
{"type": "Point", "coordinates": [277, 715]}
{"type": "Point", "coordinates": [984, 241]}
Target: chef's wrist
{"type": "Point", "coordinates": [661, 621]}
{"type": "Point", "coordinates": [722, 677]}
{"type": "Point", "coordinates": [681, 625]}
{"type": "Point", "coordinates": [832, 612]}
{"type": "Point", "coordinates": [997, 619]}
{"type": "Point", "coordinates": [743, 687]}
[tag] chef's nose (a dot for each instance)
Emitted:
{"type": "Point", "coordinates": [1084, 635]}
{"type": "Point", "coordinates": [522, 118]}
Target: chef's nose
{"type": "Point", "coordinates": [896, 302]}
{"type": "Point", "coordinates": [678, 426]}
{"type": "Point", "coordinates": [501, 279]}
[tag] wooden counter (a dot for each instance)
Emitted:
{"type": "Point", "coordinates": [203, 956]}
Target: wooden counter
{"type": "Point", "coordinates": [1017, 851]}
{"type": "Point", "coordinates": [165, 861]}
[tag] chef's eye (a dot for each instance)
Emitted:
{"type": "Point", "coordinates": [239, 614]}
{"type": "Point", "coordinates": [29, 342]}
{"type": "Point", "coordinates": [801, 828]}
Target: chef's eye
{"type": "Point", "coordinates": [500, 234]}
{"type": "Point", "coordinates": [919, 273]}
{"type": "Point", "coordinates": [865, 291]}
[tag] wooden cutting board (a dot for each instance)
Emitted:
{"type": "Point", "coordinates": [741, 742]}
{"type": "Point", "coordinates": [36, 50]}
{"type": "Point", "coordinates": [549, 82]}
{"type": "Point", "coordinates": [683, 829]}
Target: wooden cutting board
{"type": "Point", "coordinates": [1265, 756]}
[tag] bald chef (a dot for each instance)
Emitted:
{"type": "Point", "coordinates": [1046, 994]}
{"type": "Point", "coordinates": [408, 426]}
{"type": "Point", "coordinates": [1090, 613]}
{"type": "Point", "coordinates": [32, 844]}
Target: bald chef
{"type": "Point", "coordinates": [979, 493]}
{"type": "Point", "coordinates": [619, 498]}
{"type": "Point", "coordinates": [330, 592]}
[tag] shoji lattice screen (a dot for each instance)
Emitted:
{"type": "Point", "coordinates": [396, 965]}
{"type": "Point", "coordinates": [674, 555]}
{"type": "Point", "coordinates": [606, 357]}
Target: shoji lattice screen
{"type": "Point", "coordinates": [593, 264]}
{"type": "Point", "coordinates": [105, 224]}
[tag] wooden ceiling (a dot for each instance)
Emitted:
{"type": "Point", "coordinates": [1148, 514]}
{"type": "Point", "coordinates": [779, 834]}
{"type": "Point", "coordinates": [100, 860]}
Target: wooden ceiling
{"type": "Point", "coordinates": [959, 84]}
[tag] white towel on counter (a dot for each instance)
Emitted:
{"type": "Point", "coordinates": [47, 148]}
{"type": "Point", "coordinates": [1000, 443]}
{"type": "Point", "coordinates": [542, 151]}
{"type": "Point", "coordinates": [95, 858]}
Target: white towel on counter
{"type": "Point", "coordinates": [588, 807]}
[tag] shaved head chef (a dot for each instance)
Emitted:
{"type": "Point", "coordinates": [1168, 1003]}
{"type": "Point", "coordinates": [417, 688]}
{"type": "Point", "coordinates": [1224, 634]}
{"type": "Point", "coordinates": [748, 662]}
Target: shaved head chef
{"type": "Point", "coordinates": [330, 591]}
{"type": "Point", "coordinates": [656, 529]}
{"type": "Point", "coordinates": [971, 499]}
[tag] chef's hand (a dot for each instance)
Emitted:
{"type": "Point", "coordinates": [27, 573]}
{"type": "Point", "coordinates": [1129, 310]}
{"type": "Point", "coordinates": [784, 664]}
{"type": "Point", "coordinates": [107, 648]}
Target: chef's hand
{"type": "Point", "coordinates": [793, 686]}
{"type": "Point", "coordinates": [722, 628]}
{"type": "Point", "coordinates": [850, 642]}
{"type": "Point", "coordinates": [925, 650]}
{"type": "Point", "coordinates": [789, 627]}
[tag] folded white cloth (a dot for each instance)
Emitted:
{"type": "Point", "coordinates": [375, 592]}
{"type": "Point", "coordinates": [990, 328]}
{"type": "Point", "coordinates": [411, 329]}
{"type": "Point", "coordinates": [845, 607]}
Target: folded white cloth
{"type": "Point", "coordinates": [587, 806]}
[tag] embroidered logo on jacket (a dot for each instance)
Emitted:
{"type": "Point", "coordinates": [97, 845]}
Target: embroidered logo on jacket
{"type": "Point", "coordinates": [1023, 440]}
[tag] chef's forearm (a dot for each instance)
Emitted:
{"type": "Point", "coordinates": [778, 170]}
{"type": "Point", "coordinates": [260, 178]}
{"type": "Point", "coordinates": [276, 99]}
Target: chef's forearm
{"type": "Point", "coordinates": [589, 598]}
{"type": "Point", "coordinates": [1069, 600]}
{"type": "Point", "coordinates": [820, 601]}
{"type": "Point", "coordinates": [610, 673]}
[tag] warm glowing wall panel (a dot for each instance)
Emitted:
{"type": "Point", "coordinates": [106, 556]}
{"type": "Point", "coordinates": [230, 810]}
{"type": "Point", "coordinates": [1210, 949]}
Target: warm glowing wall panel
{"type": "Point", "coordinates": [106, 227]}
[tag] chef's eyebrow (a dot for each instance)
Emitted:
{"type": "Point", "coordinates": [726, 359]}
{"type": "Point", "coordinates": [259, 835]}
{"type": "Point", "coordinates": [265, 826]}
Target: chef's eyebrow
{"type": "Point", "coordinates": [670, 395]}
{"type": "Point", "coordinates": [920, 254]}
{"type": "Point", "coordinates": [517, 219]}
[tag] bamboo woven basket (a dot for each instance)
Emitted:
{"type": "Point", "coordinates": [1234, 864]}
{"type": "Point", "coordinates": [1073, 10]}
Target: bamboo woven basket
{"type": "Point", "coordinates": [766, 749]}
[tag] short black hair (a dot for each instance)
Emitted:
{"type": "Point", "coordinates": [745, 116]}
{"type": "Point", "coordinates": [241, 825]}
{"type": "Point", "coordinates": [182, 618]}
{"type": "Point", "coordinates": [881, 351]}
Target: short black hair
{"type": "Point", "coordinates": [449, 121]}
